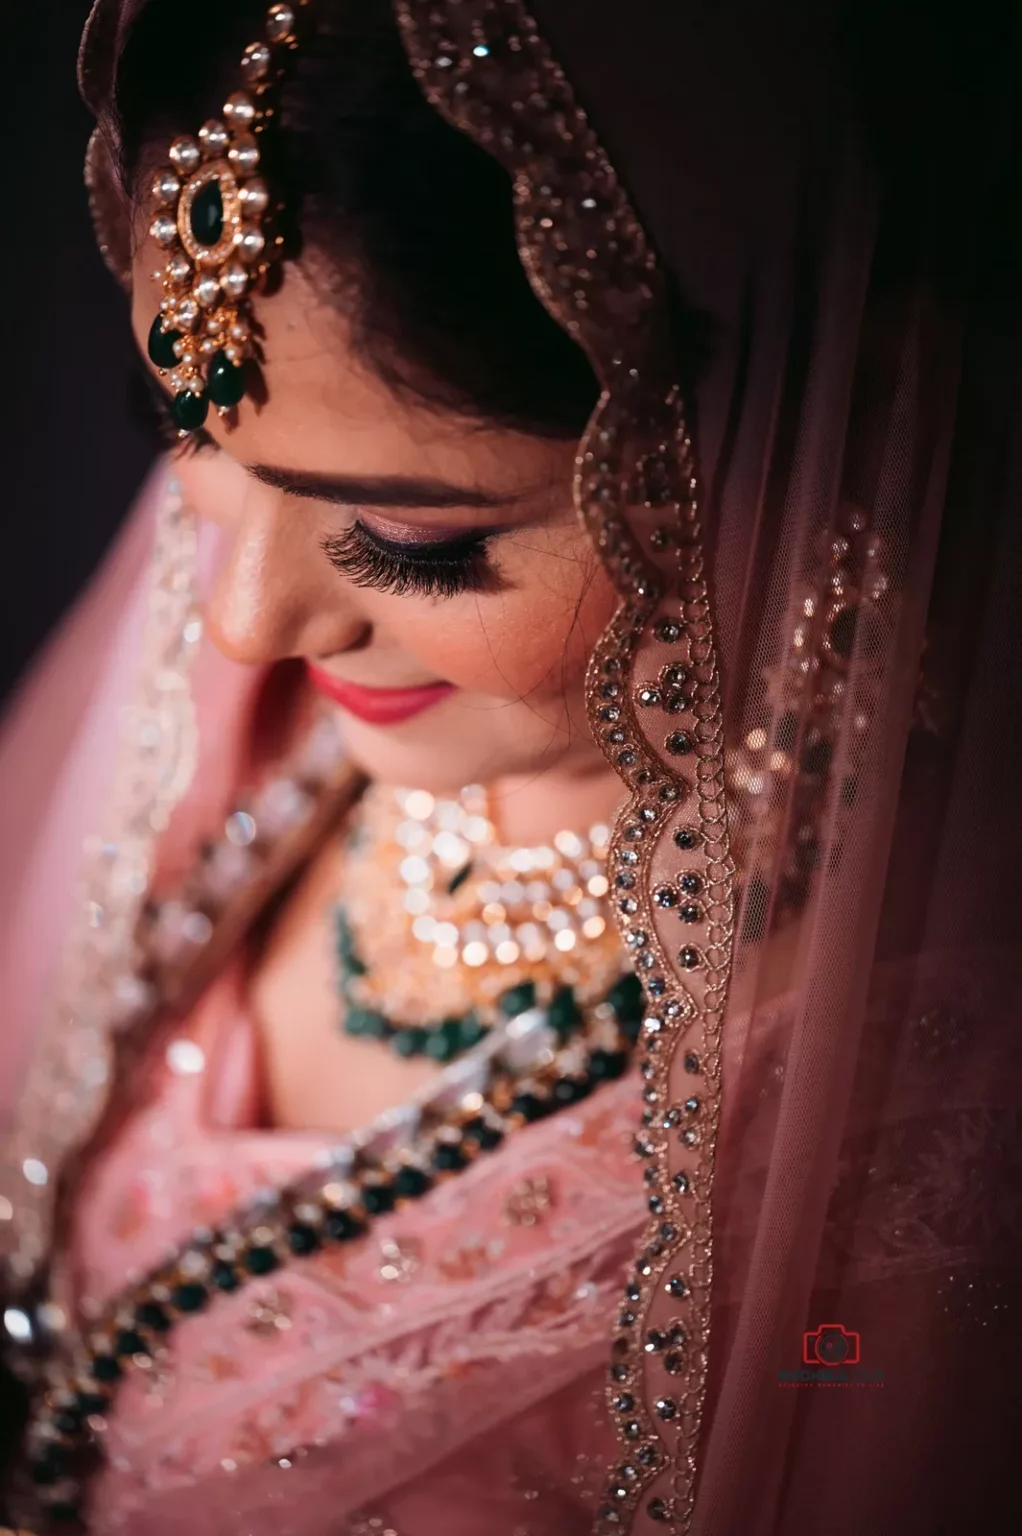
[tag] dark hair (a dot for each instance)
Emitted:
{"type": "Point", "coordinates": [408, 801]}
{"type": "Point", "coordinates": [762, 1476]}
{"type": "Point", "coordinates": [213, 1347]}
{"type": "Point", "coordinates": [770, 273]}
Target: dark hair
{"type": "Point", "coordinates": [414, 219]}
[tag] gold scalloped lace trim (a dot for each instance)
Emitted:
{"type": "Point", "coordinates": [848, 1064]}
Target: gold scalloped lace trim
{"type": "Point", "coordinates": [653, 694]}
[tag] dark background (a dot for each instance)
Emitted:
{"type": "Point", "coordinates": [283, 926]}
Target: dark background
{"type": "Point", "coordinates": [73, 436]}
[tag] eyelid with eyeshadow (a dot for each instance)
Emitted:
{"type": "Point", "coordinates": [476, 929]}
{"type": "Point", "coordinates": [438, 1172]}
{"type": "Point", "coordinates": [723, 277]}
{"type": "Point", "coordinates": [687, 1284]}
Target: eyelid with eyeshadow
{"type": "Point", "coordinates": [435, 568]}
{"type": "Point", "coordinates": [399, 536]}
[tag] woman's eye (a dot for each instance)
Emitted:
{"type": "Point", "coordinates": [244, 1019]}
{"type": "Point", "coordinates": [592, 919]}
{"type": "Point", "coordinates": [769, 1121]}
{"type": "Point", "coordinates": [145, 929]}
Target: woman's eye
{"type": "Point", "coordinates": [436, 570]}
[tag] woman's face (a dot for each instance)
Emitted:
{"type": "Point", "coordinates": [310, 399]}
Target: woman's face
{"type": "Point", "coordinates": [428, 569]}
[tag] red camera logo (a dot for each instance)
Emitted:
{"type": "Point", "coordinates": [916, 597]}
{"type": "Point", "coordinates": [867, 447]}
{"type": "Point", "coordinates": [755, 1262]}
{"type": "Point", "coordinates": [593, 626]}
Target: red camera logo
{"type": "Point", "coordinates": [830, 1344]}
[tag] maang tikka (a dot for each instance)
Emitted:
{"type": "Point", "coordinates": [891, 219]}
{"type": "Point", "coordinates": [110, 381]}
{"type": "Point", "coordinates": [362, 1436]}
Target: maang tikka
{"type": "Point", "coordinates": [215, 222]}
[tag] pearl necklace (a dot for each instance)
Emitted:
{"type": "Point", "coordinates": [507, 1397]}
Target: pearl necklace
{"type": "Point", "coordinates": [528, 903]}
{"type": "Point", "coordinates": [438, 923]}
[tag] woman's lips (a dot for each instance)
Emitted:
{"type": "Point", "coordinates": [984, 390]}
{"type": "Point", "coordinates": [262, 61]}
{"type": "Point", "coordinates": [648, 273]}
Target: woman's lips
{"type": "Point", "coordinates": [378, 706]}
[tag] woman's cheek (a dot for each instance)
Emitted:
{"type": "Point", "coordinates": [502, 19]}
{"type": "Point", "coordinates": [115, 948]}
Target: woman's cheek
{"type": "Point", "coordinates": [533, 639]}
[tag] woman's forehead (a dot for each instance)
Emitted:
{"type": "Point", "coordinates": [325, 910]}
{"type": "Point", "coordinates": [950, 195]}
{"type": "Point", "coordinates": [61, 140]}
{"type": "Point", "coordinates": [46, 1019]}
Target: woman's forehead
{"type": "Point", "coordinates": [327, 412]}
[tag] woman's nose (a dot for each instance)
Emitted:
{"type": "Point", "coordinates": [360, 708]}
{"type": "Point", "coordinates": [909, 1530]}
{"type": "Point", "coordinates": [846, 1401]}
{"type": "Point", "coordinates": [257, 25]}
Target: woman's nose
{"type": "Point", "coordinates": [275, 595]}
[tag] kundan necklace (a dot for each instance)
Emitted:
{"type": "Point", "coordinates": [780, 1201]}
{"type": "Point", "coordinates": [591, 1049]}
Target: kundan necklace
{"type": "Point", "coordinates": [443, 933]}
{"type": "Point", "coordinates": [452, 945]}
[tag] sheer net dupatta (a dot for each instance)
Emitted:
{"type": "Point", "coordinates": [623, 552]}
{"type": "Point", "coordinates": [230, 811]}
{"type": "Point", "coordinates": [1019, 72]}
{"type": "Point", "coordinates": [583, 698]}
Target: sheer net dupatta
{"type": "Point", "coordinates": [852, 354]}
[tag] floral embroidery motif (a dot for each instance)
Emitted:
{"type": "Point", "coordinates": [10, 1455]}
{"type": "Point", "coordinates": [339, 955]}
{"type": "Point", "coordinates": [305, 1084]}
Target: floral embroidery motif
{"type": "Point", "coordinates": [470, 1260]}
{"type": "Point", "coordinates": [399, 1261]}
{"type": "Point", "coordinates": [269, 1314]}
{"type": "Point", "coordinates": [528, 1202]}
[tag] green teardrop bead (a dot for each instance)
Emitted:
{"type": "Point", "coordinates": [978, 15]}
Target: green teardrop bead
{"type": "Point", "coordinates": [225, 381]}
{"type": "Point", "coordinates": [563, 1013]}
{"type": "Point", "coordinates": [206, 215]}
{"type": "Point", "coordinates": [189, 411]}
{"type": "Point", "coordinates": [160, 345]}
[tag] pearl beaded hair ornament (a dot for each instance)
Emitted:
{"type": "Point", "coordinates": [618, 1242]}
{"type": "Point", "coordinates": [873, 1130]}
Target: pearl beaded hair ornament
{"type": "Point", "coordinates": [214, 220]}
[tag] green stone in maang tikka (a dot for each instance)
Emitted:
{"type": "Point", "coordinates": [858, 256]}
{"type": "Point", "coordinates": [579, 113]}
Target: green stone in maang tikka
{"type": "Point", "coordinates": [225, 381]}
{"type": "Point", "coordinates": [160, 345]}
{"type": "Point", "coordinates": [188, 410]}
{"type": "Point", "coordinates": [206, 215]}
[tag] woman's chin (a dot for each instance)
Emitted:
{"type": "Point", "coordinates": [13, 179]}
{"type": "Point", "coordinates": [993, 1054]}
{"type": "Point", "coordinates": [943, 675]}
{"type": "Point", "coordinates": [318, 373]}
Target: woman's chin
{"type": "Point", "coordinates": [428, 756]}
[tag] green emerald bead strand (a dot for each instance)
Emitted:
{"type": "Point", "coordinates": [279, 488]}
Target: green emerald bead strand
{"type": "Point", "coordinates": [440, 1042]}
{"type": "Point", "coordinates": [470, 1031]}
{"type": "Point", "coordinates": [444, 1042]}
{"type": "Point", "coordinates": [451, 1037]}
{"type": "Point", "coordinates": [206, 215]}
{"type": "Point", "coordinates": [366, 1023]}
{"type": "Point", "coordinates": [410, 1041]}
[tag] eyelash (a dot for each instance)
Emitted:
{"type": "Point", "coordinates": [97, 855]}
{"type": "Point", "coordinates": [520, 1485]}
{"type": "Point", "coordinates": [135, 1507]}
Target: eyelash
{"type": "Point", "coordinates": [433, 570]}
{"type": "Point", "coordinates": [444, 569]}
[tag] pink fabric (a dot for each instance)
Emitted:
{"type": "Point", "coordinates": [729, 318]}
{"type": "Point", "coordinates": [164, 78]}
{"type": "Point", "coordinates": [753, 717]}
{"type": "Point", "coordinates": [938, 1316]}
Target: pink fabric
{"type": "Point", "coordinates": [58, 745]}
{"type": "Point", "coordinates": [833, 188]}
{"type": "Point", "coordinates": [375, 1387]}
{"type": "Point", "coordinates": [56, 754]}
{"type": "Point", "coordinates": [485, 1304]}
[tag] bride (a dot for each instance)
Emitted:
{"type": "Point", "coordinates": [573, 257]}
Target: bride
{"type": "Point", "coordinates": [539, 985]}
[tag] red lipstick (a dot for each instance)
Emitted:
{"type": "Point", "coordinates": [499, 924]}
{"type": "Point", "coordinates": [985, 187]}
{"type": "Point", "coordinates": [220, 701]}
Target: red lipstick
{"type": "Point", "coordinates": [378, 706]}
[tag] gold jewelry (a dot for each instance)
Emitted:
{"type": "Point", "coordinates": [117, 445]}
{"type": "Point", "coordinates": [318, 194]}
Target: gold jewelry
{"type": "Point", "coordinates": [437, 922]}
{"type": "Point", "coordinates": [214, 220]}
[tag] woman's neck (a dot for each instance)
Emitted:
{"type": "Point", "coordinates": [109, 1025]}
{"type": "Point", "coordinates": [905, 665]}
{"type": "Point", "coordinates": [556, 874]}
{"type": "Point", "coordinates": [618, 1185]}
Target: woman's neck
{"type": "Point", "coordinates": [529, 809]}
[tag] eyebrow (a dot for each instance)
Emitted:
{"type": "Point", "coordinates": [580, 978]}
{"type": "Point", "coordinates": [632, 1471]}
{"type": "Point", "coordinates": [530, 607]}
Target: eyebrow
{"type": "Point", "coordinates": [378, 490]}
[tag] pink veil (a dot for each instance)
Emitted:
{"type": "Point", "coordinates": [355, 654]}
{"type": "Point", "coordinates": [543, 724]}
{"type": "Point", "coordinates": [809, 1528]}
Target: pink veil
{"type": "Point", "coordinates": [128, 716]}
{"type": "Point", "coordinates": [852, 351]}
{"type": "Point", "coordinates": [833, 199]}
